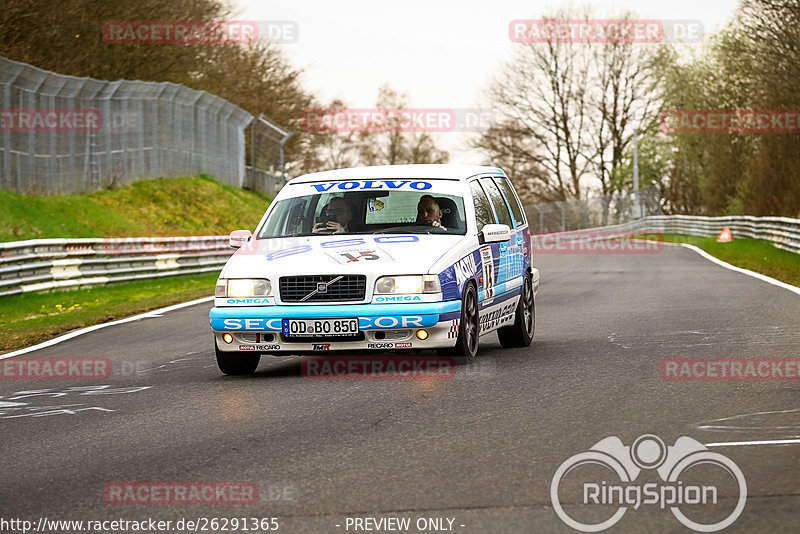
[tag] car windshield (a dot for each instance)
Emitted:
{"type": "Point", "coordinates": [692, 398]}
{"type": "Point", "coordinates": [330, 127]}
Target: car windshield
{"type": "Point", "coordinates": [366, 212]}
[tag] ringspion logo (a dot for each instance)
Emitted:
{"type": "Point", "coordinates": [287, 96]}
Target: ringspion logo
{"type": "Point", "coordinates": [605, 478]}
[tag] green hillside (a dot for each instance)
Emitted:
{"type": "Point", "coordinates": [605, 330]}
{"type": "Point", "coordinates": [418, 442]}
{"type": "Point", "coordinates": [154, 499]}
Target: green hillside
{"type": "Point", "coordinates": [164, 207]}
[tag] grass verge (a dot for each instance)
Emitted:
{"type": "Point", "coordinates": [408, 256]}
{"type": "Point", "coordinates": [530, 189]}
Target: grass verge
{"type": "Point", "coordinates": [35, 317]}
{"type": "Point", "coordinates": [753, 254]}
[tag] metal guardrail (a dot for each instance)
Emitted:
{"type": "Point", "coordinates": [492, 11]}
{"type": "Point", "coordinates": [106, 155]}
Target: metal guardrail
{"type": "Point", "coordinates": [46, 264]}
{"type": "Point", "coordinates": [783, 232]}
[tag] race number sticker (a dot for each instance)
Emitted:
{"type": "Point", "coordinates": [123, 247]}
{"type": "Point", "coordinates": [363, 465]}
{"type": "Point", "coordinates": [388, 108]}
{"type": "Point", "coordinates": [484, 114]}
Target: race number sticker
{"type": "Point", "coordinates": [487, 261]}
{"type": "Point", "coordinates": [357, 255]}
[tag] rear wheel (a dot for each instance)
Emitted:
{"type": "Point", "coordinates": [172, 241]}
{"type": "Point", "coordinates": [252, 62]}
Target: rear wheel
{"type": "Point", "coordinates": [236, 363]}
{"type": "Point", "coordinates": [467, 341]}
{"type": "Point", "coordinates": [521, 332]}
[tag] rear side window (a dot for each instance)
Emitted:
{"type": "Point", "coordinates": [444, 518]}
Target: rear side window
{"type": "Point", "coordinates": [500, 207]}
{"type": "Point", "coordinates": [483, 210]}
{"type": "Point", "coordinates": [508, 191]}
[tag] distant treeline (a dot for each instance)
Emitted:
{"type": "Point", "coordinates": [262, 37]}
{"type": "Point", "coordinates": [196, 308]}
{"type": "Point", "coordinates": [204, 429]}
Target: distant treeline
{"type": "Point", "coordinates": [566, 111]}
{"type": "Point", "coordinates": [569, 110]}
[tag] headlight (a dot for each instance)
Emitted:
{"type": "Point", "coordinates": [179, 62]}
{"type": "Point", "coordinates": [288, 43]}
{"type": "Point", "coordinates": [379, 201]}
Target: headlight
{"type": "Point", "coordinates": [408, 284]}
{"type": "Point", "coordinates": [243, 287]}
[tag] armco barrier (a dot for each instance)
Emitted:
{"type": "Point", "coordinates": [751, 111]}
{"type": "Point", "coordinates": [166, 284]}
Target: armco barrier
{"type": "Point", "coordinates": [783, 232]}
{"type": "Point", "coordinates": [45, 264]}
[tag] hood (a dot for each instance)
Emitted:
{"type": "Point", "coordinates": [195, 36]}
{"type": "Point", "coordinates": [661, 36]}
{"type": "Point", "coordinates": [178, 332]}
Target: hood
{"type": "Point", "coordinates": [378, 254]}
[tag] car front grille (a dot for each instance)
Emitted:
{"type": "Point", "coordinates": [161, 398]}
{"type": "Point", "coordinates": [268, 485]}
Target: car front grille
{"type": "Point", "coordinates": [337, 288]}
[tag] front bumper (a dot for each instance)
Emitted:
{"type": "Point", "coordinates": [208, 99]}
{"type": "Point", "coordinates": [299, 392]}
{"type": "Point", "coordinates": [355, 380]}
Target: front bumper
{"type": "Point", "coordinates": [381, 326]}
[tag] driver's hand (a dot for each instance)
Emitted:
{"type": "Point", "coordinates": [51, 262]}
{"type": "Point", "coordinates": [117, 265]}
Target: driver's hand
{"type": "Point", "coordinates": [319, 227]}
{"type": "Point", "coordinates": [336, 227]}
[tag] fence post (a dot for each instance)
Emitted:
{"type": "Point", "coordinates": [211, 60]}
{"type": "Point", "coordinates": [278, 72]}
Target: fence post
{"type": "Point", "coordinates": [563, 216]}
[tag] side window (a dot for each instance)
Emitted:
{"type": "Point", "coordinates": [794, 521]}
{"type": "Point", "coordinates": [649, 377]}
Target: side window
{"type": "Point", "coordinates": [483, 210]}
{"type": "Point", "coordinates": [500, 207]}
{"type": "Point", "coordinates": [288, 218]}
{"type": "Point", "coordinates": [508, 191]}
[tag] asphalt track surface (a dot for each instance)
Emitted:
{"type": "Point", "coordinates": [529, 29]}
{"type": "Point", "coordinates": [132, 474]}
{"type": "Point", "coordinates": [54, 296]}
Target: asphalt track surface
{"type": "Point", "coordinates": [480, 448]}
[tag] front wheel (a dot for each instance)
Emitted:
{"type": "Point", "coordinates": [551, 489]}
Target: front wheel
{"type": "Point", "coordinates": [236, 363]}
{"type": "Point", "coordinates": [467, 341]}
{"type": "Point", "coordinates": [520, 334]}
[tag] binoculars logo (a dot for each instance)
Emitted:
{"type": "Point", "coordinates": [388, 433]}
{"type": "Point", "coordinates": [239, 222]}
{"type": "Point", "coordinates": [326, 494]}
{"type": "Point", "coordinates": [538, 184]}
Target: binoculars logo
{"type": "Point", "coordinates": [646, 453]}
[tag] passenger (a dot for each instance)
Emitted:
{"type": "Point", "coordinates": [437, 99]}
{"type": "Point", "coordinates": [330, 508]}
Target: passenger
{"type": "Point", "coordinates": [428, 211]}
{"type": "Point", "coordinates": [341, 214]}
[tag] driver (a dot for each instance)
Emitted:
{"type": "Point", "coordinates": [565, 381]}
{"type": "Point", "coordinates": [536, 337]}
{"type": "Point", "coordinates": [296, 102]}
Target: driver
{"type": "Point", "coordinates": [428, 211]}
{"type": "Point", "coordinates": [341, 213]}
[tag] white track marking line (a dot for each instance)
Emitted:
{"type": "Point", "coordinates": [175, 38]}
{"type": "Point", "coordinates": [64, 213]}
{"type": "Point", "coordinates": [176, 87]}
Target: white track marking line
{"type": "Point", "coordinates": [709, 257]}
{"type": "Point", "coordinates": [146, 315]}
{"type": "Point", "coordinates": [762, 277]}
{"type": "Point", "coordinates": [763, 442]}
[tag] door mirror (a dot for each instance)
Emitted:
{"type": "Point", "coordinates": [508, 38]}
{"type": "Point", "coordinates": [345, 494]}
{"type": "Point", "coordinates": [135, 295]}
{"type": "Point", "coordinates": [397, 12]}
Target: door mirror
{"type": "Point", "coordinates": [239, 238]}
{"type": "Point", "coordinates": [495, 233]}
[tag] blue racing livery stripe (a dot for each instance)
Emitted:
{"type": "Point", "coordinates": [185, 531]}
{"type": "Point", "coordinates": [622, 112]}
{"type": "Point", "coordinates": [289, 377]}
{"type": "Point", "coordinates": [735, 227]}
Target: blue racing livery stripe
{"type": "Point", "coordinates": [370, 317]}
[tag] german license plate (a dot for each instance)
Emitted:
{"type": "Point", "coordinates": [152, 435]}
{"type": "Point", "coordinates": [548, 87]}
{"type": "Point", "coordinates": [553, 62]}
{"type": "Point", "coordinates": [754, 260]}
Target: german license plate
{"type": "Point", "coordinates": [320, 327]}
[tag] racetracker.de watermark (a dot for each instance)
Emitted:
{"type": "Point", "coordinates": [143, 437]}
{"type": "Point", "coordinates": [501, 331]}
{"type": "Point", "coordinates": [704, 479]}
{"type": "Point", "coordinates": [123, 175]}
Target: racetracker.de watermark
{"type": "Point", "coordinates": [200, 32]}
{"type": "Point", "coordinates": [56, 368]}
{"type": "Point", "coordinates": [593, 31]}
{"type": "Point", "coordinates": [597, 242]}
{"type": "Point", "coordinates": [730, 121]}
{"type": "Point", "coordinates": [373, 120]}
{"type": "Point", "coordinates": [729, 369]}
{"type": "Point", "coordinates": [154, 245]}
{"type": "Point", "coordinates": [377, 367]}
{"type": "Point", "coordinates": [50, 120]}
{"type": "Point", "coordinates": [213, 493]}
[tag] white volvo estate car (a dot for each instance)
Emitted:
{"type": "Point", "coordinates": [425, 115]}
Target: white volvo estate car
{"type": "Point", "coordinates": [392, 257]}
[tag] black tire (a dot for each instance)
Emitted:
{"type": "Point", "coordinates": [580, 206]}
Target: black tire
{"type": "Point", "coordinates": [236, 363]}
{"type": "Point", "coordinates": [468, 333]}
{"type": "Point", "coordinates": [521, 333]}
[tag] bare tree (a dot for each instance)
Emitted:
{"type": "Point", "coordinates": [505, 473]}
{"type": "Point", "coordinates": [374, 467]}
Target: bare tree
{"type": "Point", "coordinates": [624, 95]}
{"type": "Point", "coordinates": [396, 145]}
{"type": "Point", "coordinates": [542, 95]}
{"type": "Point", "coordinates": [568, 108]}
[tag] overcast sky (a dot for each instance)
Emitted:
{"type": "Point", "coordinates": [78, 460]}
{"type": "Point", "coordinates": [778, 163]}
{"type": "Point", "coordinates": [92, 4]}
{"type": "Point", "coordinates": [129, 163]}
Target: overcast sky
{"type": "Point", "coordinates": [441, 52]}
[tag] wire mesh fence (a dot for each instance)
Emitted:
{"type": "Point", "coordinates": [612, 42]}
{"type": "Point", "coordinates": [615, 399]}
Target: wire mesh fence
{"type": "Point", "coordinates": [593, 211]}
{"type": "Point", "coordinates": [266, 141]}
{"type": "Point", "coordinates": [65, 135]}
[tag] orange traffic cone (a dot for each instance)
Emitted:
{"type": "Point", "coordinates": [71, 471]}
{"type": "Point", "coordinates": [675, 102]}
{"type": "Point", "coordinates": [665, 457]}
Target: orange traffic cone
{"type": "Point", "coordinates": [725, 236]}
